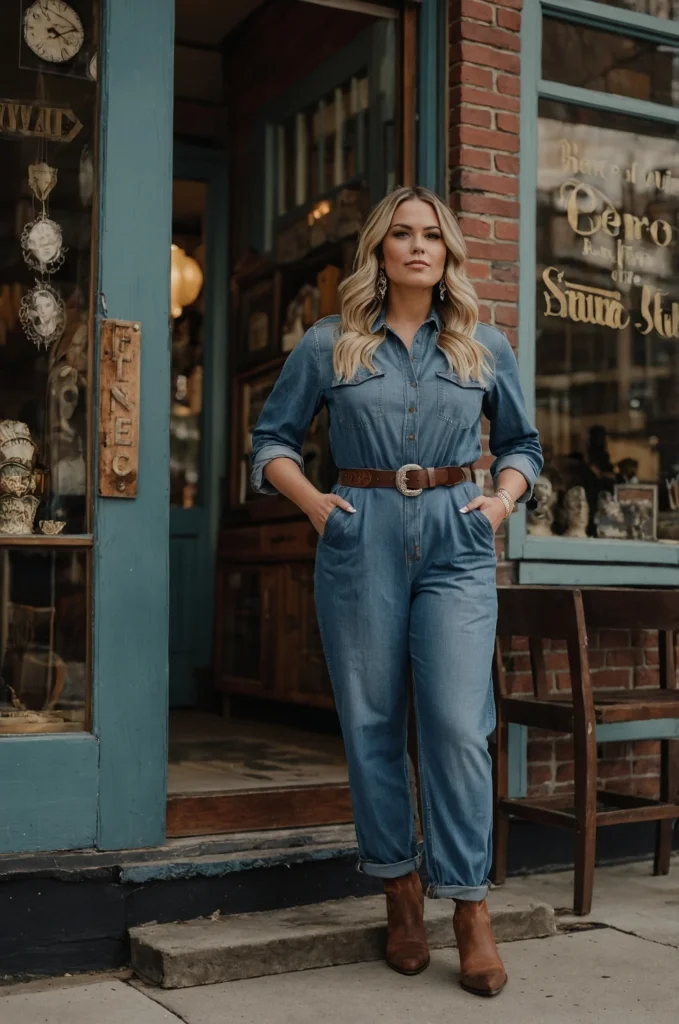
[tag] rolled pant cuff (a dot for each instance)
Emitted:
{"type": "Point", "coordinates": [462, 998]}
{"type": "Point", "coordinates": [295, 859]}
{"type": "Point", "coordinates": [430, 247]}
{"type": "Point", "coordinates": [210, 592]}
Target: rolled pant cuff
{"type": "Point", "coordinates": [402, 867]}
{"type": "Point", "coordinates": [475, 893]}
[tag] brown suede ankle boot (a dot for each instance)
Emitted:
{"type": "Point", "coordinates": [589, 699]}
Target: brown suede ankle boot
{"type": "Point", "coordinates": [481, 969]}
{"type": "Point", "coordinates": [407, 950]}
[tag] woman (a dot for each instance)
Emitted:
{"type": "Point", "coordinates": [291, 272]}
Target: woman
{"type": "Point", "coordinates": [405, 567]}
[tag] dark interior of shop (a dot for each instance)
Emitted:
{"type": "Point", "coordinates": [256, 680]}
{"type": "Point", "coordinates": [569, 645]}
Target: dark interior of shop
{"type": "Point", "coordinates": [300, 101]}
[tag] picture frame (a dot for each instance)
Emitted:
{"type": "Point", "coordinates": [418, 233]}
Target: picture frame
{"type": "Point", "coordinates": [639, 504]}
{"type": "Point", "coordinates": [258, 317]}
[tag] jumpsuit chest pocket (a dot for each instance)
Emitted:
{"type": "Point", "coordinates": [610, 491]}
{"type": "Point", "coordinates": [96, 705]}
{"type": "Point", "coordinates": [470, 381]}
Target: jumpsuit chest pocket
{"type": "Point", "coordinates": [458, 401]}
{"type": "Point", "coordinates": [359, 402]}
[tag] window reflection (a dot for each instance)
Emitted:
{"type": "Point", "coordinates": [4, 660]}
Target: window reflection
{"type": "Point", "coordinates": [668, 9]}
{"type": "Point", "coordinates": [594, 58]}
{"type": "Point", "coordinates": [607, 384]}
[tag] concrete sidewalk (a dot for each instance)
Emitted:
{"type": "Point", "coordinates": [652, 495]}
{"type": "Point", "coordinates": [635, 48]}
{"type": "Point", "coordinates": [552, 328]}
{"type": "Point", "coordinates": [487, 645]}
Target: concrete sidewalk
{"type": "Point", "coordinates": [623, 967]}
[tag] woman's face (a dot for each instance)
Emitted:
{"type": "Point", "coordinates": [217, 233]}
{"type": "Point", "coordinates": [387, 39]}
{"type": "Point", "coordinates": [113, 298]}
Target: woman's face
{"type": "Point", "coordinates": [413, 251]}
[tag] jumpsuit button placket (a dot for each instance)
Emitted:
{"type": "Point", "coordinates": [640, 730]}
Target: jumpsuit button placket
{"type": "Point", "coordinates": [412, 509]}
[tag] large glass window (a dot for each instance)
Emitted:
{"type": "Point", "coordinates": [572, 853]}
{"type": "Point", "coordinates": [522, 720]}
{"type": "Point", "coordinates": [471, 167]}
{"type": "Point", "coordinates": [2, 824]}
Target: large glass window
{"type": "Point", "coordinates": [668, 9]}
{"type": "Point", "coordinates": [605, 60]}
{"type": "Point", "coordinates": [48, 110]}
{"type": "Point", "coordinates": [607, 358]}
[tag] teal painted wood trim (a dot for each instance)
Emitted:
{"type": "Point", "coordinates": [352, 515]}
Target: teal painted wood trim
{"type": "Point", "coordinates": [570, 574]}
{"type": "Point", "coordinates": [661, 729]}
{"type": "Point", "coordinates": [572, 549]}
{"type": "Point", "coordinates": [431, 93]}
{"type": "Point", "coordinates": [608, 101]}
{"type": "Point", "coordinates": [531, 50]}
{"type": "Point", "coordinates": [132, 537]}
{"type": "Point", "coordinates": [616, 19]}
{"type": "Point", "coordinates": [50, 792]}
{"type": "Point", "coordinates": [517, 756]}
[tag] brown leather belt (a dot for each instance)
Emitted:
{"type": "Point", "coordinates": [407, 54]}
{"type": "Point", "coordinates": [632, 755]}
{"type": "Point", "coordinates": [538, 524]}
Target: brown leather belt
{"type": "Point", "coordinates": [409, 479]}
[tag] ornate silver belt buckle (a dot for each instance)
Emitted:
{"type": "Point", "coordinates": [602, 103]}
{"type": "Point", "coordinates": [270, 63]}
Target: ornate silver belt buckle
{"type": "Point", "coordinates": [401, 481]}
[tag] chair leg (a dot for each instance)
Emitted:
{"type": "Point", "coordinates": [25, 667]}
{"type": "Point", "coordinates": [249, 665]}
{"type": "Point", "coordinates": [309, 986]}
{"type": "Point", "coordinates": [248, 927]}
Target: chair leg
{"type": "Point", "coordinates": [669, 791]}
{"type": "Point", "coordinates": [585, 766]}
{"type": "Point", "coordinates": [585, 851]}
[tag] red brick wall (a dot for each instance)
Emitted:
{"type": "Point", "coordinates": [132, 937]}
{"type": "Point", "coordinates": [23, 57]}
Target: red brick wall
{"type": "Point", "coordinates": [484, 87]}
{"type": "Point", "coordinates": [484, 149]}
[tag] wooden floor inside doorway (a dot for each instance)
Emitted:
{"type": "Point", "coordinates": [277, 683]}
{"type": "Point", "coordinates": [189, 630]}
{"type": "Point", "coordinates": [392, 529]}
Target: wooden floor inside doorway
{"type": "Point", "coordinates": [231, 774]}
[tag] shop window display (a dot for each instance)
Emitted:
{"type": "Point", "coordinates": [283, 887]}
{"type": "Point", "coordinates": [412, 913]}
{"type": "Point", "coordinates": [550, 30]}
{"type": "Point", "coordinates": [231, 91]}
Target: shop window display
{"type": "Point", "coordinates": [607, 350]}
{"type": "Point", "coordinates": [667, 9]}
{"type": "Point", "coordinates": [48, 111]}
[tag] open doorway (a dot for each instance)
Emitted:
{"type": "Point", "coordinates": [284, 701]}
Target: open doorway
{"type": "Point", "coordinates": [288, 126]}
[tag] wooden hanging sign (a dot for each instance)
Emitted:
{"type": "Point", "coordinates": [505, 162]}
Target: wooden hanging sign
{"type": "Point", "coordinates": [119, 386]}
{"type": "Point", "coordinates": [38, 121]}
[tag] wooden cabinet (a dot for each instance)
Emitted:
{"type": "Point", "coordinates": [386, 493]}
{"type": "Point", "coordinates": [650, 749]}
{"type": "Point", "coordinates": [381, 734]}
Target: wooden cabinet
{"type": "Point", "coordinates": [267, 639]}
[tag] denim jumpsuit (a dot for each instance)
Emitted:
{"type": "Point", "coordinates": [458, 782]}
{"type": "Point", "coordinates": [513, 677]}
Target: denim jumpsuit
{"type": "Point", "coordinates": [408, 582]}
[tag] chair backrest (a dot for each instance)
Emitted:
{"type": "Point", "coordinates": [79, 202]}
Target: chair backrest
{"type": "Point", "coordinates": [638, 608]}
{"type": "Point", "coordinates": [549, 613]}
{"type": "Point", "coordinates": [633, 608]}
{"type": "Point", "coordinates": [544, 613]}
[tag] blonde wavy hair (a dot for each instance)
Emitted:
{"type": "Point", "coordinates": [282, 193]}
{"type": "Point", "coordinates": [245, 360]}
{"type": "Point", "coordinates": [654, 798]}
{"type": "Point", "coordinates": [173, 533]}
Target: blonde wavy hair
{"type": "Point", "coordinates": [361, 304]}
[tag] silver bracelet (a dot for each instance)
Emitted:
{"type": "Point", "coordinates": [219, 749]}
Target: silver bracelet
{"type": "Point", "coordinates": [506, 499]}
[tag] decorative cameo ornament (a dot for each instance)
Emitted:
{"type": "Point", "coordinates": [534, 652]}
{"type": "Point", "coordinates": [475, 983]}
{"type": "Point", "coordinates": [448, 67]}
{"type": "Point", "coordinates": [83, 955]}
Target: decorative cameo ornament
{"type": "Point", "coordinates": [42, 243]}
{"type": "Point", "coordinates": [43, 315]}
{"type": "Point", "coordinates": [41, 180]}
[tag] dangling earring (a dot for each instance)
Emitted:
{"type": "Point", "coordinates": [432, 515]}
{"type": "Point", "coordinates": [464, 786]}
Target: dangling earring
{"type": "Point", "coordinates": [381, 285]}
{"type": "Point", "coordinates": [442, 289]}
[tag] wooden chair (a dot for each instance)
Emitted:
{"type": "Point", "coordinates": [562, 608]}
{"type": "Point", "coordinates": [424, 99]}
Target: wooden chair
{"type": "Point", "coordinates": [560, 613]}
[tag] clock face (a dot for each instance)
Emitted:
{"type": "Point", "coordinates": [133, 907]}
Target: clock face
{"type": "Point", "coordinates": [53, 30]}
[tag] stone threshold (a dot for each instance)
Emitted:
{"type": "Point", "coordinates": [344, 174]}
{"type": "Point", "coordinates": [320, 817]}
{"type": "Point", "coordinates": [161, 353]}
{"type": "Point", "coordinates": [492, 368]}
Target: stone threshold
{"type": "Point", "coordinates": [352, 930]}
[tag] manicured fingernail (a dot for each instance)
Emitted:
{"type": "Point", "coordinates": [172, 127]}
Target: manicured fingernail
{"type": "Point", "coordinates": [351, 508]}
{"type": "Point", "coordinates": [465, 509]}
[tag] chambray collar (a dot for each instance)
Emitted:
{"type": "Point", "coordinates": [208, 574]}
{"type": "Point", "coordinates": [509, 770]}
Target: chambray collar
{"type": "Point", "coordinates": [434, 316]}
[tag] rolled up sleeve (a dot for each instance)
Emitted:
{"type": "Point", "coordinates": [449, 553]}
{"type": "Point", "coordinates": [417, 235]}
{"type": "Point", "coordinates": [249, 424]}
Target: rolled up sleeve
{"type": "Point", "coordinates": [513, 439]}
{"type": "Point", "coordinates": [288, 411]}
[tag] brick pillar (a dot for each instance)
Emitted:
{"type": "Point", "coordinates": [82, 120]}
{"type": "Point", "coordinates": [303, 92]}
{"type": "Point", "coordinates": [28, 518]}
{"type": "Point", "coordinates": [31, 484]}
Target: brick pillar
{"type": "Point", "coordinates": [484, 149]}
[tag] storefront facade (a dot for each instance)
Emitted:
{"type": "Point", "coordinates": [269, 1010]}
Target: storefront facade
{"type": "Point", "coordinates": [562, 172]}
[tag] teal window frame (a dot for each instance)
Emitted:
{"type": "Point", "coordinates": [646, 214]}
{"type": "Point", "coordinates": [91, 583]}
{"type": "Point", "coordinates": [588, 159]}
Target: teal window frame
{"type": "Point", "coordinates": [561, 560]}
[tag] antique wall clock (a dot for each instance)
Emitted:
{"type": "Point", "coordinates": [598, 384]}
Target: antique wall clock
{"type": "Point", "coordinates": [53, 31]}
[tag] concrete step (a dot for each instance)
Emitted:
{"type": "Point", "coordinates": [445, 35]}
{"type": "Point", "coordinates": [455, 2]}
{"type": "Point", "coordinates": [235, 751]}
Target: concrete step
{"type": "Point", "coordinates": [231, 948]}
